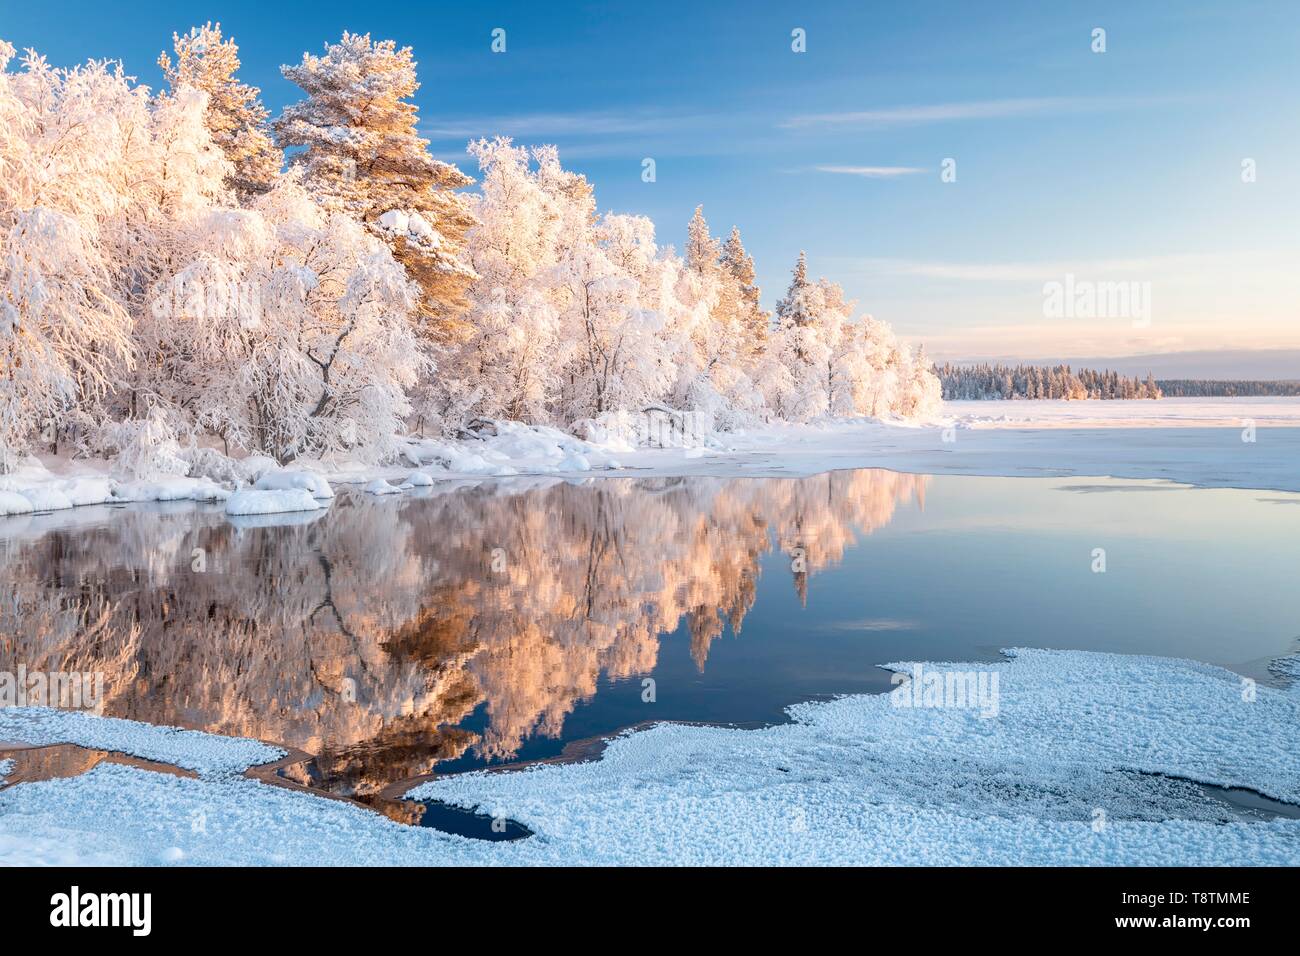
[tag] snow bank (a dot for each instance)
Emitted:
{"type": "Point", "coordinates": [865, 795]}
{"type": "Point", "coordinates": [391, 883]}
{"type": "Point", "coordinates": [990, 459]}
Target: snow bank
{"type": "Point", "coordinates": [47, 492]}
{"type": "Point", "coordinates": [656, 426]}
{"type": "Point", "coordinates": [13, 503]}
{"type": "Point", "coordinates": [88, 490]}
{"type": "Point", "coordinates": [501, 449]}
{"type": "Point", "coordinates": [253, 501]}
{"type": "Point", "coordinates": [1086, 763]}
{"type": "Point", "coordinates": [171, 489]}
{"type": "Point", "coordinates": [293, 479]}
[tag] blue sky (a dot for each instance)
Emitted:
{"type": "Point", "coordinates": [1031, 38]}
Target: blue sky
{"type": "Point", "coordinates": [1123, 166]}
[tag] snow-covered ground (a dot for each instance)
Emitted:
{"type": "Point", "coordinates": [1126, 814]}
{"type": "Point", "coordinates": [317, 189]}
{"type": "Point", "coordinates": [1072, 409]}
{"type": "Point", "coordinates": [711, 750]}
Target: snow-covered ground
{"type": "Point", "coordinates": [1163, 413]}
{"type": "Point", "coordinates": [1090, 759]}
{"type": "Point", "coordinates": [1234, 443]}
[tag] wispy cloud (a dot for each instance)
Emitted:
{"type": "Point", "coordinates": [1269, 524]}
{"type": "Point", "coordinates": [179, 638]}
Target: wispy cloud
{"type": "Point", "coordinates": [949, 112]}
{"type": "Point", "coordinates": [871, 172]}
{"type": "Point", "coordinates": [581, 123]}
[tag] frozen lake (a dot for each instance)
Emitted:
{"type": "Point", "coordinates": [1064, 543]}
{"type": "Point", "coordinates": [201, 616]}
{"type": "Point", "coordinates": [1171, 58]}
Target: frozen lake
{"type": "Point", "coordinates": [389, 638]}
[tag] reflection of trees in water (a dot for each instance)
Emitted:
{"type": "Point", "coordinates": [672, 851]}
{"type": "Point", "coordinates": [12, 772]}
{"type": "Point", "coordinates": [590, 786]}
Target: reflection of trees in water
{"type": "Point", "coordinates": [365, 637]}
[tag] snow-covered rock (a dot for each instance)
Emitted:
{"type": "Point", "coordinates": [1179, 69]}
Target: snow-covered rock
{"type": "Point", "coordinates": [395, 221]}
{"type": "Point", "coordinates": [381, 487]}
{"type": "Point", "coordinates": [253, 501]}
{"type": "Point", "coordinates": [290, 479]}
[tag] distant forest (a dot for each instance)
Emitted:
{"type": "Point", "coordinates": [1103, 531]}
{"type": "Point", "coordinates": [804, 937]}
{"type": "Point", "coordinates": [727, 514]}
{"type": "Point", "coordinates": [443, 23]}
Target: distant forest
{"type": "Point", "coordinates": [987, 381]}
{"type": "Point", "coordinates": [1210, 388]}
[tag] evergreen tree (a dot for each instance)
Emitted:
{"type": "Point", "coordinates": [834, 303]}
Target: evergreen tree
{"type": "Point", "coordinates": [361, 153]}
{"type": "Point", "coordinates": [235, 116]}
{"type": "Point", "coordinates": [739, 264]}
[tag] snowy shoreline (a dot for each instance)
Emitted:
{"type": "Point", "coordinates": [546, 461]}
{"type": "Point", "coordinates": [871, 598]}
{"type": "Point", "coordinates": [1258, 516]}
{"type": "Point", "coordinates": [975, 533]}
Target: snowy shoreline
{"type": "Point", "coordinates": [1252, 444]}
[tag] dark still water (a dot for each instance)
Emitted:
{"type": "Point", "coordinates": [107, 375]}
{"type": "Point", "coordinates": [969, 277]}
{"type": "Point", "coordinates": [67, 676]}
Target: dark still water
{"type": "Point", "coordinates": [471, 625]}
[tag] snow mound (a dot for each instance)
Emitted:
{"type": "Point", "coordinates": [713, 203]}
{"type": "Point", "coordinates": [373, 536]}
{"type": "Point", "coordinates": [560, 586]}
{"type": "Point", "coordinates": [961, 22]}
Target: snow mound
{"type": "Point", "coordinates": [47, 498]}
{"type": "Point", "coordinates": [88, 490]}
{"type": "Point", "coordinates": [252, 501]}
{"type": "Point", "coordinates": [171, 489]}
{"type": "Point", "coordinates": [419, 479]}
{"type": "Point", "coordinates": [13, 503]}
{"type": "Point", "coordinates": [288, 480]}
{"type": "Point", "coordinates": [503, 449]}
{"type": "Point", "coordinates": [381, 487]}
{"type": "Point", "coordinates": [276, 519]}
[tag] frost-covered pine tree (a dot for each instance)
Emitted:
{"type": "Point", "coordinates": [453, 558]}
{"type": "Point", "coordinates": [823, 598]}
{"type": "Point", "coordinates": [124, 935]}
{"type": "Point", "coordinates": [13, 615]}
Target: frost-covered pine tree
{"type": "Point", "coordinates": [739, 264]}
{"type": "Point", "coordinates": [702, 250]}
{"type": "Point", "coordinates": [236, 118]}
{"type": "Point", "coordinates": [361, 153]}
{"type": "Point", "coordinates": [822, 362]}
{"type": "Point", "coordinates": [715, 359]}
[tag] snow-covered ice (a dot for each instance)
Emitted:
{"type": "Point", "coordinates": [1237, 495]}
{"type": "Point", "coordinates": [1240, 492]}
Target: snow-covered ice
{"type": "Point", "coordinates": [1089, 762]}
{"type": "Point", "coordinates": [205, 754]}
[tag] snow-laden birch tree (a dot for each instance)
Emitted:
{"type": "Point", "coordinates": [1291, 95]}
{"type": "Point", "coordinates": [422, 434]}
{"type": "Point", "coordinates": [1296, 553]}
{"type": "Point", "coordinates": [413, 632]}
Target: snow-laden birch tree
{"type": "Point", "coordinates": [508, 364]}
{"type": "Point", "coordinates": [322, 359]}
{"type": "Point", "coordinates": [67, 140]}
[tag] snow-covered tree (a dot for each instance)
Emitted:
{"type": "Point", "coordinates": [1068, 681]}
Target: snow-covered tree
{"type": "Point", "coordinates": [820, 361]}
{"type": "Point", "coordinates": [618, 356]}
{"type": "Point", "coordinates": [67, 150]}
{"type": "Point", "coordinates": [161, 280]}
{"type": "Point", "coordinates": [739, 264]}
{"type": "Point", "coordinates": [361, 153]}
{"type": "Point", "coordinates": [507, 366]}
{"type": "Point", "coordinates": [323, 360]}
{"type": "Point", "coordinates": [716, 355]}
{"type": "Point", "coordinates": [235, 116]}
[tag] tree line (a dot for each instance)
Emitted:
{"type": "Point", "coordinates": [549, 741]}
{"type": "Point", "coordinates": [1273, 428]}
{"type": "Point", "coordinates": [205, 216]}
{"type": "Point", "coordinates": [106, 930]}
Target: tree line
{"type": "Point", "coordinates": [997, 381]}
{"type": "Point", "coordinates": [179, 267]}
